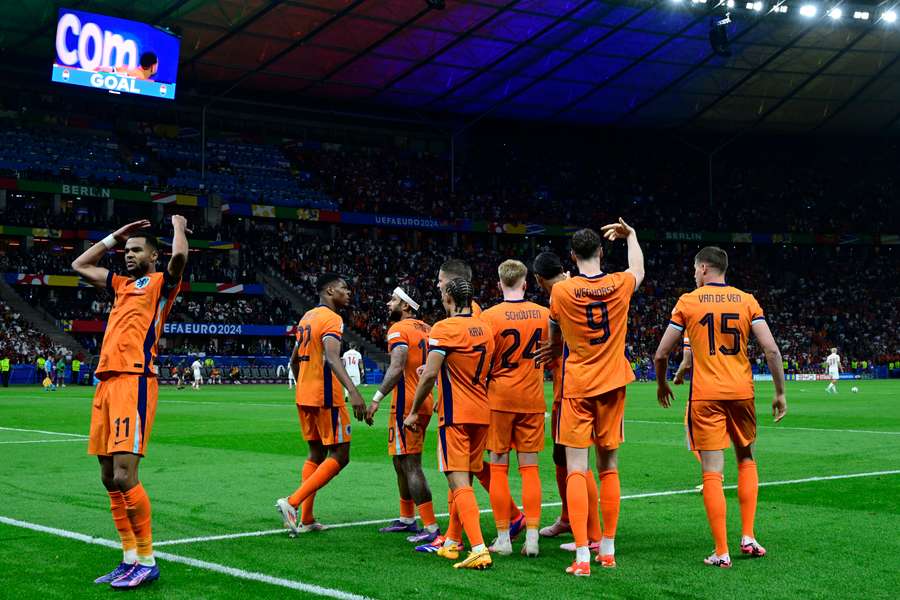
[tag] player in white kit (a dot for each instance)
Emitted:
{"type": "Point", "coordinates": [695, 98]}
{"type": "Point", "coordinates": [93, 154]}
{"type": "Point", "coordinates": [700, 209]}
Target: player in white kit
{"type": "Point", "coordinates": [198, 378]}
{"type": "Point", "coordinates": [352, 360]}
{"type": "Point", "coordinates": [834, 370]}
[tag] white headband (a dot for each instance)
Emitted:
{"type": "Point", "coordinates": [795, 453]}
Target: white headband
{"type": "Point", "coordinates": [398, 291]}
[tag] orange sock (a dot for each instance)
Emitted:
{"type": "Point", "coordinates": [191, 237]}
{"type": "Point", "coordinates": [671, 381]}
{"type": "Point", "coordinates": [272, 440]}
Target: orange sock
{"type": "Point", "coordinates": [594, 531]}
{"type": "Point", "coordinates": [500, 495]}
{"type": "Point", "coordinates": [576, 493]}
{"type": "Point", "coordinates": [454, 527]}
{"type": "Point", "coordinates": [748, 487]}
{"type": "Point", "coordinates": [120, 518]}
{"type": "Point", "coordinates": [714, 501]}
{"type": "Point", "coordinates": [531, 495]}
{"type": "Point", "coordinates": [407, 509]}
{"type": "Point", "coordinates": [610, 500]}
{"type": "Point", "coordinates": [324, 473]}
{"type": "Point", "coordinates": [306, 517]}
{"type": "Point", "coordinates": [139, 514]}
{"type": "Point", "coordinates": [561, 474]}
{"type": "Point", "coordinates": [467, 508]}
{"type": "Point", "coordinates": [426, 511]}
{"type": "Point", "coordinates": [484, 476]}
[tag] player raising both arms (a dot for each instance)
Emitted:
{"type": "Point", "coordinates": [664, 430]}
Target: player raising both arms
{"type": "Point", "coordinates": [460, 350]}
{"type": "Point", "coordinates": [589, 315]}
{"type": "Point", "coordinates": [408, 344]}
{"type": "Point", "coordinates": [320, 400]}
{"type": "Point", "coordinates": [125, 400]}
{"type": "Point", "coordinates": [718, 320]}
{"type": "Point", "coordinates": [451, 269]}
{"type": "Point", "coordinates": [516, 398]}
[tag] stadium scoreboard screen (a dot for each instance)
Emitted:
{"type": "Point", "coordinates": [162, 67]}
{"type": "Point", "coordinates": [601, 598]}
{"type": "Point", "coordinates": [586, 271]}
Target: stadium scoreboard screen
{"type": "Point", "coordinates": [116, 55]}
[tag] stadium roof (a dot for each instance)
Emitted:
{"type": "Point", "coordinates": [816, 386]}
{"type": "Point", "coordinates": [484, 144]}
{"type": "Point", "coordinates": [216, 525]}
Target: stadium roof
{"type": "Point", "coordinates": [641, 63]}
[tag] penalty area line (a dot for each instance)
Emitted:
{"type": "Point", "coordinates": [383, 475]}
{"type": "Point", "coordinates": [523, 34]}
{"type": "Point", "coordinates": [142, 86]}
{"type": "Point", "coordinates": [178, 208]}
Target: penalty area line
{"type": "Point", "coordinates": [264, 532]}
{"type": "Point", "coordinates": [192, 562]}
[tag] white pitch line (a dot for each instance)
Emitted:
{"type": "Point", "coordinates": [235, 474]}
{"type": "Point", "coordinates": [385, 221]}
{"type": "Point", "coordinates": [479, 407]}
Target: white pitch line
{"type": "Point", "coordinates": [78, 435]}
{"type": "Point", "coordinates": [264, 532]}
{"type": "Point", "coordinates": [777, 427]}
{"type": "Point", "coordinates": [289, 404]}
{"type": "Point", "coordinates": [193, 562]}
{"type": "Point", "coordinates": [44, 441]}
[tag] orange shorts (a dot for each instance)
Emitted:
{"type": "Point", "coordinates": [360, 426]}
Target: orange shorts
{"type": "Point", "coordinates": [330, 426]}
{"type": "Point", "coordinates": [461, 447]}
{"type": "Point", "coordinates": [597, 421]}
{"type": "Point", "coordinates": [122, 415]}
{"type": "Point", "coordinates": [712, 424]}
{"type": "Point", "coordinates": [523, 432]}
{"type": "Point", "coordinates": [403, 441]}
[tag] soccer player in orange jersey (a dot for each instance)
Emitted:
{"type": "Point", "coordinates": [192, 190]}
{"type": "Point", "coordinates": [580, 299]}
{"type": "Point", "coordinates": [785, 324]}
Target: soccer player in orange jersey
{"type": "Point", "coordinates": [718, 320]}
{"type": "Point", "coordinates": [460, 351]}
{"type": "Point", "coordinates": [516, 398]}
{"type": "Point", "coordinates": [316, 360]}
{"type": "Point", "coordinates": [125, 400]}
{"type": "Point", "coordinates": [588, 322]}
{"type": "Point", "coordinates": [407, 342]}
{"type": "Point", "coordinates": [678, 379]}
{"type": "Point", "coordinates": [451, 269]}
{"type": "Point", "coordinates": [548, 271]}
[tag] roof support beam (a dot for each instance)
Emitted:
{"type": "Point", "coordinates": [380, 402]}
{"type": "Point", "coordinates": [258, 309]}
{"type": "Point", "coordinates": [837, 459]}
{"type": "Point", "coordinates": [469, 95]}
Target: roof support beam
{"type": "Point", "coordinates": [236, 29]}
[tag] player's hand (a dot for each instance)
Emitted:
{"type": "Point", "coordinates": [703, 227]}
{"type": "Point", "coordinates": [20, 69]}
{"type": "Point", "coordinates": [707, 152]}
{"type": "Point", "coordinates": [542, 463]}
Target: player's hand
{"type": "Point", "coordinates": [617, 231]}
{"type": "Point", "coordinates": [679, 378]}
{"type": "Point", "coordinates": [546, 353]}
{"type": "Point", "coordinates": [370, 413]}
{"type": "Point", "coordinates": [359, 405]}
{"type": "Point", "coordinates": [411, 422]}
{"type": "Point", "coordinates": [779, 407]}
{"type": "Point", "coordinates": [179, 223]}
{"type": "Point", "coordinates": [664, 395]}
{"type": "Point", "coordinates": [126, 231]}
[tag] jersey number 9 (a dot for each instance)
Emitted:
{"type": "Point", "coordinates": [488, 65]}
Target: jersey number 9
{"type": "Point", "coordinates": [594, 311]}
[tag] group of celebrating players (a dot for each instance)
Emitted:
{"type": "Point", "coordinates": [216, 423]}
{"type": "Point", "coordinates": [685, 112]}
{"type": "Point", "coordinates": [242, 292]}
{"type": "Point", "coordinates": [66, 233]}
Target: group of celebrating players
{"type": "Point", "coordinates": [489, 370]}
{"type": "Point", "coordinates": [488, 367]}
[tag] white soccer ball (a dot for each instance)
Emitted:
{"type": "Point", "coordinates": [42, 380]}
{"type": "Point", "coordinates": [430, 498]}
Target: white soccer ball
{"type": "Point", "coordinates": [854, 389]}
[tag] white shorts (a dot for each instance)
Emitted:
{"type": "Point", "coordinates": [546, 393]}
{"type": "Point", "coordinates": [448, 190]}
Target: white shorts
{"type": "Point", "coordinates": [354, 377]}
{"type": "Point", "coordinates": [834, 374]}
{"type": "Point", "coordinates": [197, 376]}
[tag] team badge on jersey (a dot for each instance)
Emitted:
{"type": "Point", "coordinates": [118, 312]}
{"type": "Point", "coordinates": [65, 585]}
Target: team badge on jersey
{"type": "Point", "coordinates": [142, 282]}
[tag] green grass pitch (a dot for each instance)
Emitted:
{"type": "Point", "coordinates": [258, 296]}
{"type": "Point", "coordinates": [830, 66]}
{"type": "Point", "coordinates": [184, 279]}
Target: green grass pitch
{"type": "Point", "coordinates": [219, 457]}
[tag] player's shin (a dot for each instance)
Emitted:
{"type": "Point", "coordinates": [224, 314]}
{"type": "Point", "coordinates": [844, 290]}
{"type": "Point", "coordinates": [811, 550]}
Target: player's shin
{"type": "Point", "coordinates": [714, 502]}
{"type": "Point", "coordinates": [469, 515]}
{"type": "Point", "coordinates": [119, 510]}
{"type": "Point", "coordinates": [140, 515]}
{"type": "Point", "coordinates": [576, 493]}
{"type": "Point", "coordinates": [748, 488]}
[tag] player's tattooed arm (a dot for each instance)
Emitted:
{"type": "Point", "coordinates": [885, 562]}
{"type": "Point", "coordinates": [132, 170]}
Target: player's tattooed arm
{"type": "Point", "coordinates": [294, 363]}
{"type": "Point", "coordinates": [393, 376]}
{"type": "Point", "coordinates": [179, 247]}
{"type": "Point", "coordinates": [86, 264]}
{"type": "Point", "coordinates": [552, 348]}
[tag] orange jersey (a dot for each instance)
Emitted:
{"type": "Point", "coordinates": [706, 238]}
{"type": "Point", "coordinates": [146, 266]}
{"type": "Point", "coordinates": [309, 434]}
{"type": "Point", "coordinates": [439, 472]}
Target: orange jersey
{"type": "Point", "coordinates": [717, 320]}
{"type": "Point", "coordinates": [136, 322]}
{"type": "Point", "coordinates": [413, 334]}
{"type": "Point", "coordinates": [592, 313]}
{"type": "Point", "coordinates": [556, 372]}
{"type": "Point", "coordinates": [317, 385]}
{"type": "Point", "coordinates": [516, 383]}
{"type": "Point", "coordinates": [476, 309]}
{"type": "Point", "coordinates": [467, 344]}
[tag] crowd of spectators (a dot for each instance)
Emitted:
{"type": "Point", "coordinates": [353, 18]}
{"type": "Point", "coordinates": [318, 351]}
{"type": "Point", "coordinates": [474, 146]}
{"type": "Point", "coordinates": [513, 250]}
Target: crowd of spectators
{"type": "Point", "coordinates": [20, 341]}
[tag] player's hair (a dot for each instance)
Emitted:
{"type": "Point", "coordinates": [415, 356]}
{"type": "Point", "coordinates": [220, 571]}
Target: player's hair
{"type": "Point", "coordinates": [325, 280]}
{"type": "Point", "coordinates": [512, 272]}
{"type": "Point", "coordinates": [461, 291]}
{"type": "Point", "coordinates": [148, 59]}
{"type": "Point", "coordinates": [713, 256]}
{"type": "Point", "coordinates": [547, 265]}
{"type": "Point", "coordinates": [455, 267]}
{"type": "Point", "coordinates": [586, 243]}
{"type": "Point", "coordinates": [149, 240]}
